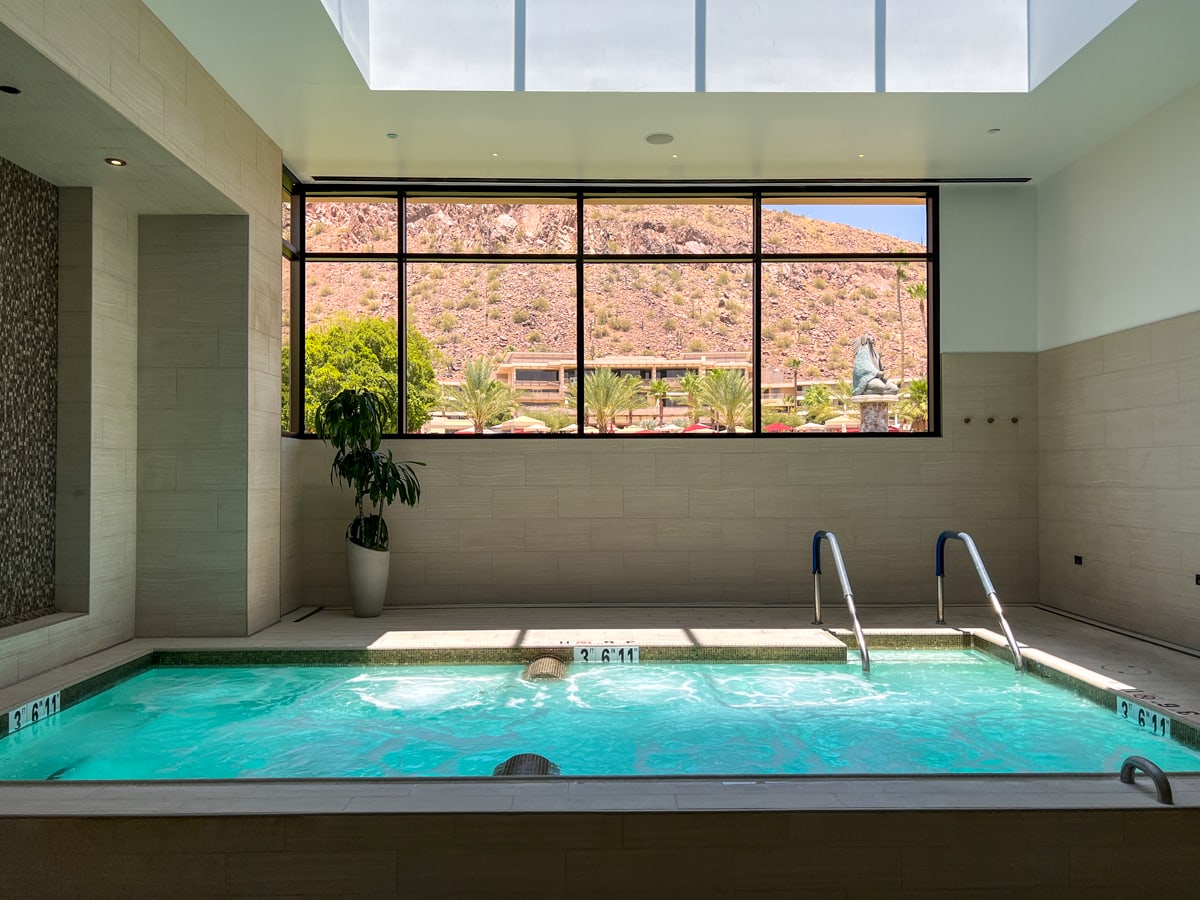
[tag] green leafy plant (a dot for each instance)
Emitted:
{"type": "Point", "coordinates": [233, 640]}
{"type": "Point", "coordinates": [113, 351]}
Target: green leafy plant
{"type": "Point", "coordinates": [353, 422]}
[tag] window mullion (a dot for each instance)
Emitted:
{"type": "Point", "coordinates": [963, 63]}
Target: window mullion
{"type": "Point", "coordinates": [756, 306]}
{"type": "Point", "coordinates": [580, 335]}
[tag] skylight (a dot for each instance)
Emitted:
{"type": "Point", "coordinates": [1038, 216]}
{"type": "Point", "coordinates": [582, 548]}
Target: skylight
{"type": "Point", "coordinates": [679, 46]}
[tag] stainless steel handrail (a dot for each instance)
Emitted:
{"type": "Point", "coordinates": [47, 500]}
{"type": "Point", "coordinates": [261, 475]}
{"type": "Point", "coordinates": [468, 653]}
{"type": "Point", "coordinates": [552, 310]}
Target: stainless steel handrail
{"type": "Point", "coordinates": [846, 592]}
{"type": "Point", "coordinates": [981, 570]}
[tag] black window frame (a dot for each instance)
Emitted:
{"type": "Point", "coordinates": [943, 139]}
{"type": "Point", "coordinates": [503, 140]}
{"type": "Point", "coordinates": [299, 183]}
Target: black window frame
{"type": "Point", "coordinates": [531, 190]}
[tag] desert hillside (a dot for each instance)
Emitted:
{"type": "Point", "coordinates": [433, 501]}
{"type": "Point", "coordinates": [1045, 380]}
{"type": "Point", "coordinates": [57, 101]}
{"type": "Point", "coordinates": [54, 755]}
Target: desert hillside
{"type": "Point", "coordinates": [811, 310]}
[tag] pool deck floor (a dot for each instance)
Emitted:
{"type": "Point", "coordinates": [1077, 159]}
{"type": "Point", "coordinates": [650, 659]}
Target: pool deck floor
{"type": "Point", "coordinates": [1167, 675]}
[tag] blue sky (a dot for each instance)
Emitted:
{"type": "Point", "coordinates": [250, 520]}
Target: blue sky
{"type": "Point", "coordinates": [905, 221]}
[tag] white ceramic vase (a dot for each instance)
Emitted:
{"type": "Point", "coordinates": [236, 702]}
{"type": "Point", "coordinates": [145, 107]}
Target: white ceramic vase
{"type": "Point", "coordinates": [368, 573]}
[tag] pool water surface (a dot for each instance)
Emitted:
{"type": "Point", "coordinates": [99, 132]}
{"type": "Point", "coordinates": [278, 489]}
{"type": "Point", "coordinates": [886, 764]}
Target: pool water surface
{"type": "Point", "coordinates": [918, 712]}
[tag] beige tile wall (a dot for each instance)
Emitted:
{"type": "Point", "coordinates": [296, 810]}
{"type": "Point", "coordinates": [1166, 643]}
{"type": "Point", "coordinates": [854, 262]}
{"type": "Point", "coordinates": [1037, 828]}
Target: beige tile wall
{"type": "Point", "coordinates": [1120, 478]}
{"type": "Point", "coordinates": [192, 427]}
{"type": "Point", "coordinates": [114, 421]}
{"type": "Point", "coordinates": [130, 62]}
{"type": "Point", "coordinates": [702, 521]}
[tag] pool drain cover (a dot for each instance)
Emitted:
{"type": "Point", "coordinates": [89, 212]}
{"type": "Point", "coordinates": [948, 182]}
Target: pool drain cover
{"type": "Point", "coordinates": [526, 764]}
{"type": "Point", "coordinates": [1125, 669]}
{"type": "Point", "coordinates": [545, 668]}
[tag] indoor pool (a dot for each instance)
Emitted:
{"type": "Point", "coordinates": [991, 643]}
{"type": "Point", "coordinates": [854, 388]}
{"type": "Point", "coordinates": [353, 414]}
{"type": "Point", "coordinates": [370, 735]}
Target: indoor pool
{"type": "Point", "coordinates": [918, 712]}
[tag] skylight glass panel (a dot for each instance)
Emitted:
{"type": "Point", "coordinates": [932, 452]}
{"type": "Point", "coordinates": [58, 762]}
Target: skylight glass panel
{"type": "Point", "coordinates": [352, 19]}
{"type": "Point", "coordinates": [949, 45]}
{"type": "Point", "coordinates": [1058, 29]}
{"type": "Point", "coordinates": [466, 45]}
{"type": "Point", "coordinates": [617, 45]}
{"type": "Point", "coordinates": [750, 46]}
{"type": "Point", "coordinates": [790, 45]}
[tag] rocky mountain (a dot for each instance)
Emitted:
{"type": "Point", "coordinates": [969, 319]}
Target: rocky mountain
{"type": "Point", "coordinates": [812, 310]}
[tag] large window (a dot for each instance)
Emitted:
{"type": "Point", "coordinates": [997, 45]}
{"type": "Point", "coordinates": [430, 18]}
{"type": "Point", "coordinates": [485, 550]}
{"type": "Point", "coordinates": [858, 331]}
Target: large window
{"type": "Point", "coordinates": [669, 310]}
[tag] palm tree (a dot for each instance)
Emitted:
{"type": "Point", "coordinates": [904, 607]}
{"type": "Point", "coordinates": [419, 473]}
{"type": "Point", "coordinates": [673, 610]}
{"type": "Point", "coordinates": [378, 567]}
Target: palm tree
{"type": "Point", "coordinates": [658, 391]}
{"type": "Point", "coordinates": [842, 392]}
{"type": "Point", "coordinates": [481, 396]}
{"type": "Point", "coordinates": [690, 385]}
{"type": "Point", "coordinates": [917, 292]}
{"type": "Point", "coordinates": [605, 393]}
{"type": "Point", "coordinates": [728, 394]}
{"type": "Point", "coordinates": [818, 404]}
{"type": "Point", "coordinates": [901, 275]}
{"type": "Point", "coordinates": [633, 401]}
{"type": "Point", "coordinates": [794, 364]}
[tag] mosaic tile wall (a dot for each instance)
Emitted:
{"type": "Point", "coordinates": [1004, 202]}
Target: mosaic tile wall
{"type": "Point", "coordinates": [28, 388]}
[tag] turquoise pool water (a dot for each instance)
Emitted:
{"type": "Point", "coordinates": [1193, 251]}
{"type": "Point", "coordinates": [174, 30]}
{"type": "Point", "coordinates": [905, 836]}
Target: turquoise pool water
{"type": "Point", "coordinates": [920, 711]}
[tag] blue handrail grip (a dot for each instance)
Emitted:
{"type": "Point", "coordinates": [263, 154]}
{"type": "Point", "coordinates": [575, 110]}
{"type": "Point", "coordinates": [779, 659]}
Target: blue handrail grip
{"type": "Point", "coordinates": [972, 551]}
{"type": "Point", "coordinates": [940, 553]}
{"type": "Point", "coordinates": [817, 551]}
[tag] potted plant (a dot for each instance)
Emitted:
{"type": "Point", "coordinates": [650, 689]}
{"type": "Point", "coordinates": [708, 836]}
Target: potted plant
{"type": "Point", "coordinates": [353, 423]}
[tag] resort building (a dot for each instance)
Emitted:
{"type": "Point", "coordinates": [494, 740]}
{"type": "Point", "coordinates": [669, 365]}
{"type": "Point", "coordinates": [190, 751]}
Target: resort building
{"type": "Point", "coordinates": [544, 379]}
{"type": "Point", "coordinates": [149, 499]}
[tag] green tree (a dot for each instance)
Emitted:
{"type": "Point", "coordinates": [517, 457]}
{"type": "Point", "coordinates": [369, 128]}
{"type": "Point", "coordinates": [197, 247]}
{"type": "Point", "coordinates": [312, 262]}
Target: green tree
{"type": "Point", "coordinates": [728, 395]}
{"type": "Point", "coordinates": [605, 393]}
{"type": "Point", "coordinates": [690, 385]}
{"type": "Point", "coordinates": [423, 390]}
{"type": "Point", "coordinates": [349, 353]}
{"type": "Point", "coordinates": [285, 372]}
{"type": "Point", "coordinates": [658, 391]}
{"type": "Point", "coordinates": [555, 419]}
{"type": "Point", "coordinates": [818, 404]}
{"type": "Point", "coordinates": [842, 391]}
{"type": "Point", "coordinates": [789, 419]}
{"type": "Point", "coordinates": [914, 404]}
{"type": "Point", "coordinates": [484, 399]}
{"type": "Point", "coordinates": [361, 354]}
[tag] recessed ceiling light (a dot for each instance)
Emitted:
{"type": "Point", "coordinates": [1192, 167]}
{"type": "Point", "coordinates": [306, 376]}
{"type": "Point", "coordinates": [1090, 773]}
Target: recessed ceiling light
{"type": "Point", "coordinates": [495, 154]}
{"type": "Point", "coordinates": [391, 135]}
{"type": "Point", "coordinates": [115, 161]}
{"type": "Point", "coordinates": [9, 89]}
{"type": "Point", "coordinates": [659, 137]}
{"type": "Point", "coordinates": [993, 131]}
{"type": "Point", "coordinates": [674, 156]}
{"type": "Point", "coordinates": [862, 156]}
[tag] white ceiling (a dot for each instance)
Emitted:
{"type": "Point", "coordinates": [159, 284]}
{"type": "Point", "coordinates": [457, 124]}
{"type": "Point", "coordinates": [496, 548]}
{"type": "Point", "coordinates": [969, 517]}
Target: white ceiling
{"type": "Point", "coordinates": [60, 131]}
{"type": "Point", "coordinates": [284, 62]}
